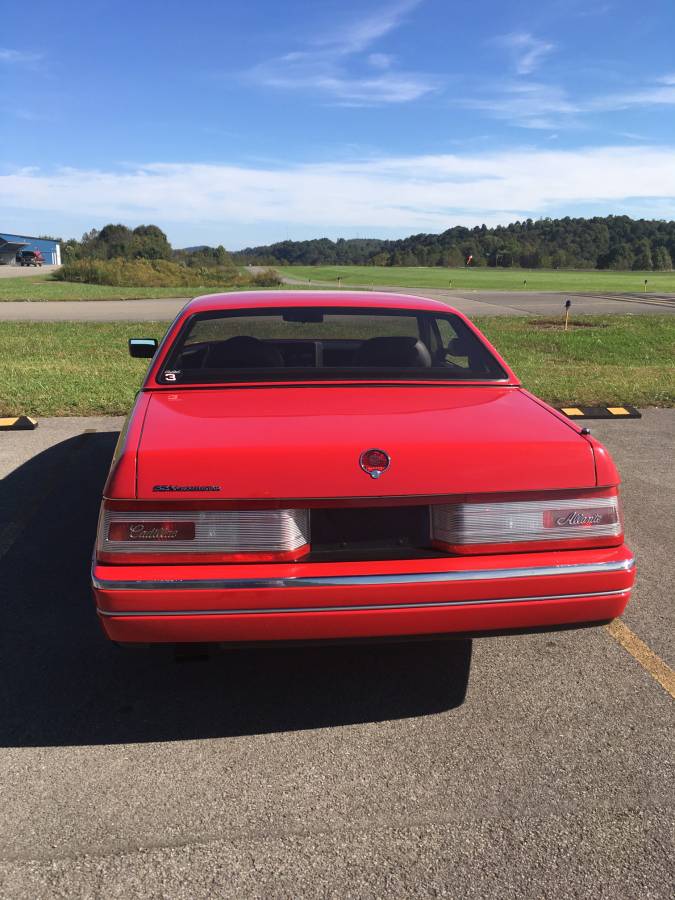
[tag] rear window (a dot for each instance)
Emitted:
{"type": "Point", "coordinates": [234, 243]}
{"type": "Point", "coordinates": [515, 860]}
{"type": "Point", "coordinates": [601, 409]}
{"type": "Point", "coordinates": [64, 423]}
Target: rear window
{"type": "Point", "coordinates": [310, 343]}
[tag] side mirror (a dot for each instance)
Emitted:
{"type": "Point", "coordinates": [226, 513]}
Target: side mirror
{"type": "Point", "coordinates": [142, 348]}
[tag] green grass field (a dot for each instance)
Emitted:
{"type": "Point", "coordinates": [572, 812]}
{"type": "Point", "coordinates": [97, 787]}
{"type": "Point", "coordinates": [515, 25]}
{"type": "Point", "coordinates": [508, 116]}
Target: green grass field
{"type": "Point", "coordinates": [484, 279]}
{"type": "Point", "coordinates": [42, 287]}
{"type": "Point", "coordinates": [80, 368]}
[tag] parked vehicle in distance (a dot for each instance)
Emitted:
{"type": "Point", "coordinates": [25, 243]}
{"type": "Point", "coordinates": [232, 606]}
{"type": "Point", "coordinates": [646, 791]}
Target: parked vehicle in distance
{"type": "Point", "coordinates": [307, 465]}
{"type": "Point", "coordinates": [29, 258]}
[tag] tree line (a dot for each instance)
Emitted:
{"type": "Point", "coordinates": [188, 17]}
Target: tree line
{"type": "Point", "coordinates": [144, 242]}
{"type": "Point", "coordinates": [610, 242]}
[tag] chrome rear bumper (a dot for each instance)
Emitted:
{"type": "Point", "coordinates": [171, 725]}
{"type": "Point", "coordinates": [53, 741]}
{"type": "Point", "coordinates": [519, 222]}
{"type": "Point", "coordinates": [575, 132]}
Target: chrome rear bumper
{"type": "Point", "coordinates": [412, 578]}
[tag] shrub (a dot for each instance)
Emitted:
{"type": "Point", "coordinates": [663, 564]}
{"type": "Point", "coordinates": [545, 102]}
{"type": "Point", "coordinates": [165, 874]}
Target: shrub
{"type": "Point", "coordinates": [150, 273]}
{"type": "Point", "coordinates": [266, 278]}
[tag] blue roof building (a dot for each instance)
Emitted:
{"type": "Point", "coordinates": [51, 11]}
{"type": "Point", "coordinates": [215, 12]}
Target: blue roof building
{"type": "Point", "coordinates": [10, 244]}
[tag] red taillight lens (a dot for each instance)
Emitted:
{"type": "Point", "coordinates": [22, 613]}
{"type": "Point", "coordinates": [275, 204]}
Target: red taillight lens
{"type": "Point", "coordinates": [202, 535]}
{"type": "Point", "coordinates": [590, 520]}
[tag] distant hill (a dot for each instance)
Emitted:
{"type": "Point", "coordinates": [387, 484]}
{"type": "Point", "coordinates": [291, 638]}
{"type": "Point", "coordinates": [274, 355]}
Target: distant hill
{"type": "Point", "coordinates": [610, 242]}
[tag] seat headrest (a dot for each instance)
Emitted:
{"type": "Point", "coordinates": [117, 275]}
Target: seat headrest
{"type": "Point", "coordinates": [407, 352]}
{"type": "Point", "coordinates": [243, 352]}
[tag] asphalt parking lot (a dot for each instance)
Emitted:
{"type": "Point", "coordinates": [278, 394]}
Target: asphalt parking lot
{"type": "Point", "coordinates": [533, 766]}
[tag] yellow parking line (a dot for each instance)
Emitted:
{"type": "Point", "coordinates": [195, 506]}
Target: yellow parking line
{"type": "Point", "coordinates": [649, 661]}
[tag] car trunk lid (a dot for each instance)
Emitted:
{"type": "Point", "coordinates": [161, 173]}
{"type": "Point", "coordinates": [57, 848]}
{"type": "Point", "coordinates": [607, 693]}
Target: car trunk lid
{"type": "Point", "coordinates": [294, 442]}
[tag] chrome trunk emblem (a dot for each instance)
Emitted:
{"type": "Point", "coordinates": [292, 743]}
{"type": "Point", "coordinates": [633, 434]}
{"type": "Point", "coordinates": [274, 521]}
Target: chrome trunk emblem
{"type": "Point", "coordinates": [374, 462]}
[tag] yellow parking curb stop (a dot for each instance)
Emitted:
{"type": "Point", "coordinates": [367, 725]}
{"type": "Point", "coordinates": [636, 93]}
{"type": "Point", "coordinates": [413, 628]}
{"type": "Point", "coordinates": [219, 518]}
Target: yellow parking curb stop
{"type": "Point", "coordinates": [600, 412]}
{"type": "Point", "coordinates": [18, 423]}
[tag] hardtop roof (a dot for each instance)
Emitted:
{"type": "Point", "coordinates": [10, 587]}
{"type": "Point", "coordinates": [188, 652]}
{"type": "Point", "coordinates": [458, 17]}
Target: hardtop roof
{"type": "Point", "coordinates": [281, 298]}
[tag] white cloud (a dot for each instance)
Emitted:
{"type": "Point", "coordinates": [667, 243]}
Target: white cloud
{"type": "Point", "coordinates": [532, 104]}
{"type": "Point", "coordinates": [333, 64]}
{"type": "Point", "coordinates": [380, 60]}
{"type": "Point", "coordinates": [359, 35]}
{"type": "Point", "coordinates": [528, 104]}
{"type": "Point", "coordinates": [18, 57]}
{"type": "Point", "coordinates": [406, 193]}
{"type": "Point", "coordinates": [309, 73]}
{"type": "Point", "coordinates": [526, 50]}
{"type": "Point", "coordinates": [660, 94]}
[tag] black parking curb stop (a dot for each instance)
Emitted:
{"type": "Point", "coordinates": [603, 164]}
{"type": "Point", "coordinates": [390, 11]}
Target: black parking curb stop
{"type": "Point", "coordinates": [18, 423]}
{"type": "Point", "coordinates": [600, 412]}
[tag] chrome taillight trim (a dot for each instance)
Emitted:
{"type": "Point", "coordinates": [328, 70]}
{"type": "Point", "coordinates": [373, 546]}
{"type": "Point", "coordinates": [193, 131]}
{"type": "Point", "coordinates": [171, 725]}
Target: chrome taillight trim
{"type": "Point", "coordinates": [216, 531]}
{"type": "Point", "coordinates": [360, 608]}
{"type": "Point", "coordinates": [215, 584]}
{"type": "Point", "coordinates": [520, 521]}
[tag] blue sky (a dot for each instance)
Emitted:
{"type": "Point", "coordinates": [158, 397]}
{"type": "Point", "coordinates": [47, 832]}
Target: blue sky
{"type": "Point", "coordinates": [244, 123]}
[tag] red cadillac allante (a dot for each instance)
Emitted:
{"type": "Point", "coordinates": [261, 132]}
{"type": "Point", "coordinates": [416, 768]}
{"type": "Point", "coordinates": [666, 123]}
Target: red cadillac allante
{"type": "Point", "coordinates": [308, 465]}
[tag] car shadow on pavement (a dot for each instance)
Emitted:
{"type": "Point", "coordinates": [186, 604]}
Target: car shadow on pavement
{"type": "Point", "coordinates": [63, 683]}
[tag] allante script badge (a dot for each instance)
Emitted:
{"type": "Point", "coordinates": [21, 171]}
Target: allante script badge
{"type": "Point", "coordinates": [575, 518]}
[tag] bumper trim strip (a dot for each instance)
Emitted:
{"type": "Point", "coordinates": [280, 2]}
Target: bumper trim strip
{"type": "Point", "coordinates": [236, 584]}
{"type": "Point", "coordinates": [371, 607]}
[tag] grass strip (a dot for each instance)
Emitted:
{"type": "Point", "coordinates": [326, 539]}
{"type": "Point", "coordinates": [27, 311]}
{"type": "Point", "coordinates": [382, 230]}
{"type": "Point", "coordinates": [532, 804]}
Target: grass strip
{"type": "Point", "coordinates": [601, 360]}
{"type": "Point", "coordinates": [42, 287]}
{"type": "Point", "coordinates": [487, 279]}
{"type": "Point", "coordinates": [83, 368]}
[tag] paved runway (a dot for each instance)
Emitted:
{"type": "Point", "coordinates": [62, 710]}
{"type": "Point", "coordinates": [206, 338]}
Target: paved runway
{"type": "Point", "coordinates": [487, 303]}
{"type": "Point", "coordinates": [519, 303]}
{"type": "Point", "coordinates": [342, 772]}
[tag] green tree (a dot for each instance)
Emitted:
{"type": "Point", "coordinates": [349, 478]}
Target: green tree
{"type": "Point", "coordinates": [70, 250]}
{"type": "Point", "coordinates": [454, 257]}
{"type": "Point", "coordinates": [116, 241]}
{"type": "Point", "coordinates": [90, 247]}
{"type": "Point", "coordinates": [149, 242]}
{"type": "Point", "coordinates": [662, 260]}
{"type": "Point", "coordinates": [621, 257]}
{"type": "Point", "coordinates": [643, 255]}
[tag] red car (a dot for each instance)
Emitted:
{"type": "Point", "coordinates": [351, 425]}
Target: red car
{"type": "Point", "coordinates": [307, 465]}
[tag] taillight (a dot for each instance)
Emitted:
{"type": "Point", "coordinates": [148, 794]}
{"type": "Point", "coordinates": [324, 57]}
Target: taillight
{"type": "Point", "coordinates": [133, 531]}
{"type": "Point", "coordinates": [589, 520]}
{"type": "Point", "coordinates": [219, 535]}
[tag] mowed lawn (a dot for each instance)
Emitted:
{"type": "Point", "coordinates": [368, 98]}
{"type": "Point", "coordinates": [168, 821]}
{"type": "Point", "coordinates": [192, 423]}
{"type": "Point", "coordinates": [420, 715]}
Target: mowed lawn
{"type": "Point", "coordinates": [484, 279]}
{"type": "Point", "coordinates": [602, 360]}
{"type": "Point", "coordinates": [42, 287]}
{"type": "Point", "coordinates": [79, 368]}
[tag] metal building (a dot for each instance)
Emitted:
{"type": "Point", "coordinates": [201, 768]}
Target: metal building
{"type": "Point", "coordinates": [10, 244]}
